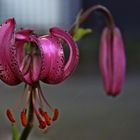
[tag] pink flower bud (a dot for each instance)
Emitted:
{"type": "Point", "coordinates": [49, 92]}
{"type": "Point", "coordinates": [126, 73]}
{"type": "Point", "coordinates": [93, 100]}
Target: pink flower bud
{"type": "Point", "coordinates": [112, 60]}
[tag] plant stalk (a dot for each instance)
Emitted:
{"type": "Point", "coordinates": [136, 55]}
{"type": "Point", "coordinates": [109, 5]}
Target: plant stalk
{"type": "Point", "coordinates": [29, 125]}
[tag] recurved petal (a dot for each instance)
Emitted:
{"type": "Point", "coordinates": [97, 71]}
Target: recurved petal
{"type": "Point", "coordinates": [7, 69]}
{"type": "Point", "coordinates": [74, 52]}
{"type": "Point", "coordinates": [53, 60]}
{"type": "Point", "coordinates": [24, 34]}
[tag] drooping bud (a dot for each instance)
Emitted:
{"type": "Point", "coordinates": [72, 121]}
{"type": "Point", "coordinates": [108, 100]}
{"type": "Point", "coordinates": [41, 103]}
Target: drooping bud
{"type": "Point", "coordinates": [112, 60]}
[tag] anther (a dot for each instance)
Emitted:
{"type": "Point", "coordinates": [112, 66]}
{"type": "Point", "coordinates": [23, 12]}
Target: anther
{"type": "Point", "coordinates": [10, 116]}
{"type": "Point", "coordinates": [23, 118]}
{"type": "Point", "coordinates": [42, 124]}
{"type": "Point", "coordinates": [56, 114]}
{"type": "Point", "coordinates": [46, 116]}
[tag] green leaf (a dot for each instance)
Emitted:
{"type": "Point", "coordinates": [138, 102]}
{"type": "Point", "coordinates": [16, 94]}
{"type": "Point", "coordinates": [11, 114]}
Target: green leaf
{"type": "Point", "coordinates": [78, 31]}
{"type": "Point", "coordinates": [81, 32]}
{"type": "Point", "coordinates": [15, 133]}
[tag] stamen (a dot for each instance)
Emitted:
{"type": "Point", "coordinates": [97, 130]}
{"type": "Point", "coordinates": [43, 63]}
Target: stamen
{"type": "Point", "coordinates": [45, 99]}
{"type": "Point", "coordinates": [27, 99]}
{"type": "Point", "coordinates": [23, 118]}
{"type": "Point", "coordinates": [42, 124]}
{"type": "Point", "coordinates": [46, 116]}
{"type": "Point", "coordinates": [25, 65]}
{"type": "Point", "coordinates": [10, 116]}
{"type": "Point", "coordinates": [56, 114]}
{"type": "Point", "coordinates": [38, 97]}
{"type": "Point", "coordinates": [21, 98]}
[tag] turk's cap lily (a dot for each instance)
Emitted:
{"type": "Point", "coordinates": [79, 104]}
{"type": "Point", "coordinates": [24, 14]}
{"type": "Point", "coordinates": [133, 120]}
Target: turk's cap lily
{"type": "Point", "coordinates": [26, 57]}
{"type": "Point", "coordinates": [30, 58]}
{"type": "Point", "coordinates": [112, 60]}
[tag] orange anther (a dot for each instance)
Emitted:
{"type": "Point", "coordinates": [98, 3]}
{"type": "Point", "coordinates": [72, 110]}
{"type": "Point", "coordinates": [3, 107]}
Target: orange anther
{"type": "Point", "coordinates": [10, 116]}
{"type": "Point", "coordinates": [47, 118]}
{"type": "Point", "coordinates": [23, 118]}
{"type": "Point", "coordinates": [42, 124]}
{"type": "Point", "coordinates": [55, 115]}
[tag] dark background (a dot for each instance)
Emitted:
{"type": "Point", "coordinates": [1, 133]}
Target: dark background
{"type": "Point", "coordinates": [126, 13]}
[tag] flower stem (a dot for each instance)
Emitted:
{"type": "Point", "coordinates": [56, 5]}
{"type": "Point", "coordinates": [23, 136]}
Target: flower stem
{"type": "Point", "coordinates": [89, 11]}
{"type": "Point", "coordinates": [29, 125]}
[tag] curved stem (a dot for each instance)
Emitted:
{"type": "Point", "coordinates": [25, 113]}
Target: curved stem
{"type": "Point", "coordinates": [88, 12]}
{"type": "Point", "coordinates": [29, 125]}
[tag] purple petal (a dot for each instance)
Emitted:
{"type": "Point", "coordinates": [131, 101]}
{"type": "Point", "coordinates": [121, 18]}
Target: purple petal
{"type": "Point", "coordinates": [74, 53]}
{"type": "Point", "coordinates": [24, 34]}
{"type": "Point", "coordinates": [7, 71]}
{"type": "Point", "coordinates": [53, 60]}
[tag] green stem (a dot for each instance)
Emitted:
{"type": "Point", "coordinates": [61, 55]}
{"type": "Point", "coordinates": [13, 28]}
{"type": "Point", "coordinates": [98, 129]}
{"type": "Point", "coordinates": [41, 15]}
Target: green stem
{"type": "Point", "coordinates": [84, 16]}
{"type": "Point", "coordinates": [29, 125]}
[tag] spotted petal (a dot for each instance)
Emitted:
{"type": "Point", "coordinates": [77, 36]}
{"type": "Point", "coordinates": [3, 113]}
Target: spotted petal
{"type": "Point", "coordinates": [7, 71]}
{"type": "Point", "coordinates": [54, 69]}
{"type": "Point", "coordinates": [53, 60]}
{"type": "Point", "coordinates": [74, 52]}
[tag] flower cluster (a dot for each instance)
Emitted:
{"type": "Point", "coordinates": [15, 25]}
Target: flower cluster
{"type": "Point", "coordinates": [26, 57]}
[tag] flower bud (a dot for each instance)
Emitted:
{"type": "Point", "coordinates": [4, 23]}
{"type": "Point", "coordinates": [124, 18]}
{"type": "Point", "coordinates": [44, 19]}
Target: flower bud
{"type": "Point", "coordinates": [112, 60]}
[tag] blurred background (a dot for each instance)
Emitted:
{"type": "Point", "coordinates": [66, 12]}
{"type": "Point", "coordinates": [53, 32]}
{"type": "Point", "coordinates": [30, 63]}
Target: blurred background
{"type": "Point", "coordinates": [86, 112]}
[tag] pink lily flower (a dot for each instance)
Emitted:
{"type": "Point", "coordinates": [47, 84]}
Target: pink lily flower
{"type": "Point", "coordinates": [112, 60]}
{"type": "Point", "coordinates": [26, 57]}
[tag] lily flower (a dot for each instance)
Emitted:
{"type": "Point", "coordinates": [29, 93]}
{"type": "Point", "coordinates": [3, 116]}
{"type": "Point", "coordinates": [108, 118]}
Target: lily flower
{"type": "Point", "coordinates": [26, 57]}
{"type": "Point", "coordinates": [112, 60]}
